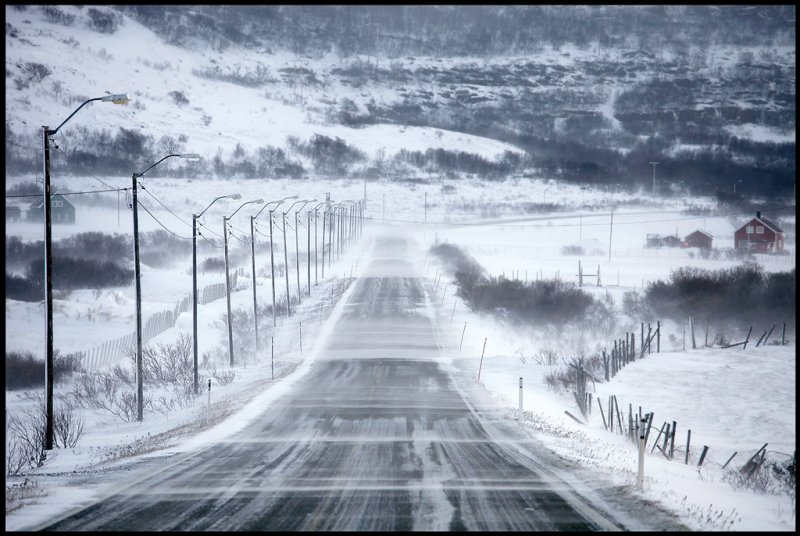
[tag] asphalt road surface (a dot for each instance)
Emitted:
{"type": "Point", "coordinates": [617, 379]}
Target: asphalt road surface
{"type": "Point", "coordinates": [382, 433]}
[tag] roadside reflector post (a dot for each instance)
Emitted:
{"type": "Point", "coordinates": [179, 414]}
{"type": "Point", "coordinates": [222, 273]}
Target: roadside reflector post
{"type": "Point", "coordinates": [520, 398]}
{"type": "Point", "coordinates": [642, 428]}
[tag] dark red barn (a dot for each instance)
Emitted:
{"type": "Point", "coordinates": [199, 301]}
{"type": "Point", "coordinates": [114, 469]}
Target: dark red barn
{"type": "Point", "coordinates": [698, 239]}
{"type": "Point", "coordinates": [759, 235]}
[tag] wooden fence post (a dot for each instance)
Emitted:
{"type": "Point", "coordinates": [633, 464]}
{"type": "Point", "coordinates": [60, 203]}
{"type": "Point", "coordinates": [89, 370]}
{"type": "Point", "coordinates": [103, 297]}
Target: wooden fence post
{"type": "Point", "coordinates": [748, 338]}
{"type": "Point", "coordinates": [658, 336]}
{"type": "Point", "coordinates": [611, 413]}
{"type": "Point", "coordinates": [703, 456]}
{"type": "Point", "coordinates": [642, 341]}
{"type": "Point", "coordinates": [672, 440]}
{"type": "Point", "coordinates": [688, 441]}
{"type": "Point", "coordinates": [602, 414]}
{"type": "Point", "coordinates": [768, 334]}
{"type": "Point", "coordinates": [729, 459]}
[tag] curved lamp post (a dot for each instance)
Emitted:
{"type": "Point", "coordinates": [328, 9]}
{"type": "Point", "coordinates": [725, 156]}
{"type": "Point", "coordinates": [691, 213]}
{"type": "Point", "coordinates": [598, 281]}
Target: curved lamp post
{"type": "Point", "coordinates": [253, 254]}
{"type": "Point", "coordinates": [286, 256]}
{"type": "Point", "coordinates": [297, 245]}
{"type": "Point", "coordinates": [120, 98]}
{"type": "Point", "coordinates": [195, 217]}
{"type": "Point", "coordinates": [316, 273]}
{"type": "Point", "coordinates": [272, 262]}
{"type": "Point", "coordinates": [227, 274]}
{"type": "Point", "coordinates": [138, 278]}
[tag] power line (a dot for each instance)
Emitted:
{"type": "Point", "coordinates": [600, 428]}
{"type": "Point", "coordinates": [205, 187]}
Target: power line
{"type": "Point", "coordinates": [72, 193]}
{"type": "Point", "coordinates": [165, 206]}
{"type": "Point", "coordinates": [203, 225]}
{"type": "Point", "coordinates": [161, 224]}
{"type": "Point", "coordinates": [210, 242]}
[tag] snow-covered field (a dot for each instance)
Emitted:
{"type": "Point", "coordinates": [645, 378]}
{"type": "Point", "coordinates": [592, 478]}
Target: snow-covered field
{"type": "Point", "coordinates": [732, 400]}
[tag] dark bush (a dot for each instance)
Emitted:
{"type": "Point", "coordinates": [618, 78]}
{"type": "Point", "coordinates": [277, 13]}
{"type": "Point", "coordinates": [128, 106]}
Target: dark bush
{"type": "Point", "coordinates": [330, 155]}
{"type": "Point", "coordinates": [56, 16]}
{"type": "Point", "coordinates": [549, 302]}
{"type": "Point", "coordinates": [24, 289]}
{"type": "Point", "coordinates": [103, 21]}
{"type": "Point", "coordinates": [25, 370]}
{"type": "Point", "coordinates": [743, 293]}
{"type": "Point", "coordinates": [179, 98]}
{"type": "Point", "coordinates": [216, 264]}
{"type": "Point", "coordinates": [70, 274]}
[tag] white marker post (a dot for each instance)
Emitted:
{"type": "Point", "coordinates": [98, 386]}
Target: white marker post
{"type": "Point", "coordinates": [642, 428]}
{"type": "Point", "coordinates": [520, 398]}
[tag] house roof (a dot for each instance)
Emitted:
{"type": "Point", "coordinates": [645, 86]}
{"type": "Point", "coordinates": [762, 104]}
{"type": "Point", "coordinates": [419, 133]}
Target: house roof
{"type": "Point", "coordinates": [765, 222]}
{"type": "Point", "coordinates": [770, 224]}
{"type": "Point", "coordinates": [39, 202]}
{"type": "Point", "coordinates": [700, 232]}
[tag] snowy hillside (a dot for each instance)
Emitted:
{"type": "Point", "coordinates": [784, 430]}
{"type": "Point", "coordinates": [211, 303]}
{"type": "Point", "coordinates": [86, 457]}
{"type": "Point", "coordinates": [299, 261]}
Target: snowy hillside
{"type": "Point", "coordinates": [169, 99]}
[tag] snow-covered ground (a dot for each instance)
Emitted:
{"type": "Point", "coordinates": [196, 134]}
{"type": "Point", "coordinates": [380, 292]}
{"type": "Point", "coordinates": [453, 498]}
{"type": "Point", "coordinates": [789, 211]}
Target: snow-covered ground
{"type": "Point", "coordinates": [732, 400]}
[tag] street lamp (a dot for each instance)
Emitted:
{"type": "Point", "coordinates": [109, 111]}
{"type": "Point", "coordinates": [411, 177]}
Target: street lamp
{"type": "Point", "coordinates": [297, 245]}
{"type": "Point", "coordinates": [121, 98]}
{"type": "Point", "coordinates": [253, 253]}
{"type": "Point", "coordinates": [227, 274]}
{"type": "Point", "coordinates": [195, 217]}
{"type": "Point", "coordinates": [316, 273]}
{"type": "Point", "coordinates": [286, 256]}
{"type": "Point", "coordinates": [138, 279]}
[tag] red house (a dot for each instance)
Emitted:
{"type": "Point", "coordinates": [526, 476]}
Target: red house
{"type": "Point", "coordinates": [698, 239]}
{"type": "Point", "coordinates": [759, 235]}
{"type": "Point", "coordinates": [671, 241]}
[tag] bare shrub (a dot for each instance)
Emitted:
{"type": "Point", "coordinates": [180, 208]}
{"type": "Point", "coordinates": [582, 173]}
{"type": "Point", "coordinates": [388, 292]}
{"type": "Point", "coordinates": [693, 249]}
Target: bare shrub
{"type": "Point", "coordinates": [111, 391]}
{"type": "Point", "coordinates": [560, 380]}
{"type": "Point", "coordinates": [26, 437]}
{"type": "Point", "coordinates": [763, 476]}
{"type": "Point", "coordinates": [721, 340]}
{"type": "Point", "coordinates": [546, 356]}
{"type": "Point", "coordinates": [180, 396]}
{"type": "Point", "coordinates": [209, 363]}
{"type": "Point", "coordinates": [67, 427]}
{"type": "Point", "coordinates": [169, 364]}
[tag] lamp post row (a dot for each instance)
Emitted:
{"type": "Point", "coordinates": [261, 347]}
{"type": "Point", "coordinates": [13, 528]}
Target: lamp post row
{"type": "Point", "coordinates": [120, 98]}
{"type": "Point", "coordinates": [329, 210]}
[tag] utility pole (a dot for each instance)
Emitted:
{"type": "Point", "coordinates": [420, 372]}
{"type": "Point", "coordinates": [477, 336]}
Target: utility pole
{"type": "Point", "coordinates": [48, 265]}
{"type": "Point", "coordinates": [272, 265]}
{"type": "Point", "coordinates": [610, 232]}
{"type": "Point", "coordinates": [654, 164]}
{"type": "Point", "coordinates": [228, 293]}
{"type": "Point", "coordinates": [286, 267]}
{"type": "Point", "coordinates": [255, 303]}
